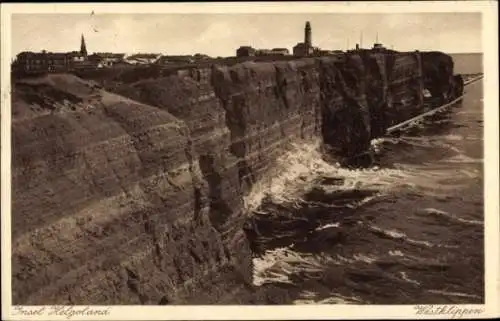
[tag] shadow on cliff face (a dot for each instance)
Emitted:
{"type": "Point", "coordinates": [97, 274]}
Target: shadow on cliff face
{"type": "Point", "coordinates": [219, 210]}
{"type": "Point", "coordinates": [346, 121]}
{"type": "Point", "coordinates": [439, 78]}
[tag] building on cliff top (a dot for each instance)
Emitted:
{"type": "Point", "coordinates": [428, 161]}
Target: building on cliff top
{"type": "Point", "coordinates": [83, 47]}
{"type": "Point", "coordinates": [304, 49]}
{"type": "Point", "coordinates": [41, 62]}
{"type": "Point", "coordinates": [280, 51]}
{"type": "Point", "coordinates": [199, 56]}
{"type": "Point", "coordinates": [106, 59]}
{"type": "Point", "coordinates": [142, 58]}
{"type": "Point", "coordinates": [301, 49]}
{"type": "Point", "coordinates": [378, 47]}
{"type": "Point", "coordinates": [323, 52]}
{"type": "Point", "coordinates": [79, 57]}
{"type": "Point", "coordinates": [247, 51]}
{"type": "Point", "coordinates": [272, 52]}
{"type": "Point", "coordinates": [169, 60]}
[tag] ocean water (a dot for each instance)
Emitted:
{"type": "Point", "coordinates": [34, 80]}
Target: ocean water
{"type": "Point", "coordinates": [468, 63]}
{"type": "Point", "coordinates": [407, 230]}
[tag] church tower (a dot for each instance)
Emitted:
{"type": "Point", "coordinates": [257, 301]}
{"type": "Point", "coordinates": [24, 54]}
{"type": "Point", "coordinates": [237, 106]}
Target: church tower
{"type": "Point", "coordinates": [83, 47]}
{"type": "Point", "coordinates": [307, 36]}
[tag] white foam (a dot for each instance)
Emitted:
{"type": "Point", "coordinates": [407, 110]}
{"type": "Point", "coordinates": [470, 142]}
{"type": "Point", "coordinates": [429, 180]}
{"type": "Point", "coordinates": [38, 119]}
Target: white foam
{"type": "Point", "coordinates": [376, 142]}
{"type": "Point", "coordinates": [279, 264]}
{"type": "Point", "coordinates": [391, 233]}
{"type": "Point", "coordinates": [458, 294]}
{"type": "Point", "coordinates": [431, 210]}
{"type": "Point", "coordinates": [407, 279]}
{"type": "Point", "coordinates": [451, 137]}
{"type": "Point", "coordinates": [461, 158]}
{"type": "Point", "coordinates": [298, 170]}
{"type": "Point", "coordinates": [396, 253]}
{"type": "Point", "coordinates": [424, 243]}
{"type": "Point", "coordinates": [364, 258]}
{"type": "Point", "coordinates": [334, 298]}
{"type": "Point", "coordinates": [434, 211]}
{"type": "Point", "coordinates": [324, 227]}
{"type": "Point", "coordinates": [400, 235]}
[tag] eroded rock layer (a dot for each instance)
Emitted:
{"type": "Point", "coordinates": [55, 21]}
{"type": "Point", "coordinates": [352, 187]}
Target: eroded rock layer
{"type": "Point", "coordinates": [134, 194]}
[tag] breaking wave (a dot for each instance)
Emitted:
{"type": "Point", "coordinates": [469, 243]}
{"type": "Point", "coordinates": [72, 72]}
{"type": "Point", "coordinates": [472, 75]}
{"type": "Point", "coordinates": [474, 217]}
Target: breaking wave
{"type": "Point", "coordinates": [461, 158]}
{"type": "Point", "coordinates": [450, 217]}
{"type": "Point", "coordinates": [303, 168]}
{"type": "Point", "coordinates": [392, 233]}
{"type": "Point", "coordinates": [292, 171]}
{"type": "Point", "coordinates": [396, 235]}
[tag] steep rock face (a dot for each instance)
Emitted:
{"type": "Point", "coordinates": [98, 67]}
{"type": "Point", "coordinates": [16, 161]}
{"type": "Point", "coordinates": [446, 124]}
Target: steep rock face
{"type": "Point", "coordinates": [136, 196]}
{"type": "Point", "coordinates": [439, 78]}
{"type": "Point", "coordinates": [268, 106]}
{"type": "Point", "coordinates": [378, 68]}
{"type": "Point", "coordinates": [346, 118]}
{"type": "Point", "coordinates": [109, 204]}
{"type": "Point", "coordinates": [190, 97]}
{"type": "Point", "coordinates": [365, 93]}
{"type": "Point", "coordinates": [241, 119]}
{"type": "Point", "coordinates": [405, 86]}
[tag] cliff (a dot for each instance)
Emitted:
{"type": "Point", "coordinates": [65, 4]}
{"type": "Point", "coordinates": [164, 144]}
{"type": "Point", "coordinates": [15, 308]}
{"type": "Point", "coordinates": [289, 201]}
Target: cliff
{"type": "Point", "coordinates": [135, 194]}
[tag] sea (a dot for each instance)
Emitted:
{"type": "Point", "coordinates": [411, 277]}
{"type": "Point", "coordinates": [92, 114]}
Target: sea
{"type": "Point", "coordinates": [407, 230]}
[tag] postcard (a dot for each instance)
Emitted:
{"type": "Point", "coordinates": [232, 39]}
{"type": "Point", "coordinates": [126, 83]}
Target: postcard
{"type": "Point", "coordinates": [260, 160]}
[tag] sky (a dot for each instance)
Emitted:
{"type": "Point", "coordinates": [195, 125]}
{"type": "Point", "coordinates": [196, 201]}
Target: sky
{"type": "Point", "coordinates": [222, 34]}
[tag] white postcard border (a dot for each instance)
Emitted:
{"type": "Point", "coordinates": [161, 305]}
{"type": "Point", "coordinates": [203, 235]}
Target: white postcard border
{"type": "Point", "coordinates": [491, 176]}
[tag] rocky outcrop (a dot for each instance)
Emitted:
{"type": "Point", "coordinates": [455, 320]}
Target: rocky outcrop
{"type": "Point", "coordinates": [135, 196]}
{"type": "Point", "coordinates": [365, 93]}
{"type": "Point", "coordinates": [346, 116]}
{"type": "Point", "coordinates": [439, 79]}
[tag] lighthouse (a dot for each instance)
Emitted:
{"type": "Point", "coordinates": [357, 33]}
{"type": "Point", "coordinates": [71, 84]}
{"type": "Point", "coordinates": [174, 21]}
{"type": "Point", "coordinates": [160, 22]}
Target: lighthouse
{"type": "Point", "coordinates": [307, 35]}
{"type": "Point", "coordinates": [304, 49]}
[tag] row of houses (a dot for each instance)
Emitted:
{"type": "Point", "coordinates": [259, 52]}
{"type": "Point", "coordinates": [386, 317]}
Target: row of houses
{"type": "Point", "coordinates": [248, 51]}
{"type": "Point", "coordinates": [110, 59]}
{"type": "Point", "coordinates": [69, 61]}
{"type": "Point", "coordinates": [59, 62]}
{"type": "Point", "coordinates": [301, 49]}
{"type": "Point", "coordinates": [31, 61]}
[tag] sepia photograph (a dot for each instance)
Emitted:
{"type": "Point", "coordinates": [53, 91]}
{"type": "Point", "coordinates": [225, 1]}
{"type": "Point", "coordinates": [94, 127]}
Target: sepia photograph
{"type": "Point", "coordinates": [242, 158]}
